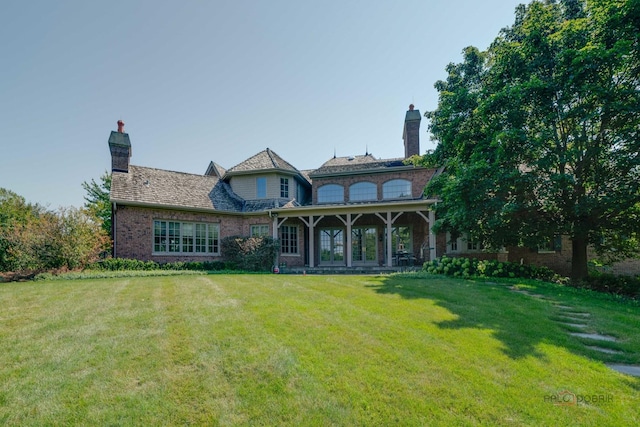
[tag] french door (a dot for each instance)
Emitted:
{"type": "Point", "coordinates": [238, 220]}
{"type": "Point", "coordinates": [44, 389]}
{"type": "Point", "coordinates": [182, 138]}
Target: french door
{"type": "Point", "coordinates": [332, 246]}
{"type": "Point", "coordinates": [364, 245]}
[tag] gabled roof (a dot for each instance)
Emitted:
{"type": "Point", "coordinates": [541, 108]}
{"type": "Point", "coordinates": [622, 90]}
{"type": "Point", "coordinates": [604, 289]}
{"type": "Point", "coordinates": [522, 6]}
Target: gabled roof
{"type": "Point", "coordinates": [264, 160]}
{"type": "Point", "coordinates": [149, 186]}
{"type": "Point", "coordinates": [356, 164]}
{"type": "Point", "coordinates": [215, 169]}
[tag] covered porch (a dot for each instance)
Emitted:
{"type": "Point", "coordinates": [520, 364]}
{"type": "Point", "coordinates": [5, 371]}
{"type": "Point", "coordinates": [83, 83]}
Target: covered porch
{"type": "Point", "coordinates": [391, 235]}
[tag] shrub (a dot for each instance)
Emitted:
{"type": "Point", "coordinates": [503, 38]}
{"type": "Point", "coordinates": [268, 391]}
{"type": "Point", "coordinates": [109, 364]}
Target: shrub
{"type": "Point", "coordinates": [124, 264]}
{"type": "Point", "coordinates": [628, 286]}
{"type": "Point", "coordinates": [250, 253]}
{"type": "Point", "coordinates": [466, 267]}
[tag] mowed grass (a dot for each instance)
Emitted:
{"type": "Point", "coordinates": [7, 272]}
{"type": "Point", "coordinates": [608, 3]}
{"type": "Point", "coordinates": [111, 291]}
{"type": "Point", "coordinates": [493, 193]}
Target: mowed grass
{"type": "Point", "coordinates": [307, 350]}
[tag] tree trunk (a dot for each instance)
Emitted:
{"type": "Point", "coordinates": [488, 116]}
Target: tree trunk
{"type": "Point", "coordinates": [579, 258]}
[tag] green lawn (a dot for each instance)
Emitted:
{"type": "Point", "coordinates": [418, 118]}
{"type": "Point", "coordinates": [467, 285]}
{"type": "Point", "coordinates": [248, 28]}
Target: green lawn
{"type": "Point", "coordinates": [308, 350]}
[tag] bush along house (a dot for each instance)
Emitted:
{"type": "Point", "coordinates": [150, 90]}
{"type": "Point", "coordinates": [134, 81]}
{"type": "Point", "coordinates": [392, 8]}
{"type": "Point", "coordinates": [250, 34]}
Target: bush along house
{"type": "Point", "coordinates": [356, 211]}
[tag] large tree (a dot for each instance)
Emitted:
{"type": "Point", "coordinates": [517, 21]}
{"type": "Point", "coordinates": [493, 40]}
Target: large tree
{"type": "Point", "coordinates": [97, 200]}
{"type": "Point", "coordinates": [540, 134]}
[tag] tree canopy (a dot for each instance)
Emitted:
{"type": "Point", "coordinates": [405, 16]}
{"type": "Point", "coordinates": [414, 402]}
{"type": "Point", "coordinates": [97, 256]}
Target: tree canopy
{"type": "Point", "coordinates": [97, 200]}
{"type": "Point", "coordinates": [539, 134]}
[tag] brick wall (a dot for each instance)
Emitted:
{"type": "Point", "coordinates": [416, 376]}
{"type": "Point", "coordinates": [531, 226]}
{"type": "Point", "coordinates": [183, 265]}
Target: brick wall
{"type": "Point", "coordinates": [134, 231]}
{"type": "Point", "coordinates": [418, 177]}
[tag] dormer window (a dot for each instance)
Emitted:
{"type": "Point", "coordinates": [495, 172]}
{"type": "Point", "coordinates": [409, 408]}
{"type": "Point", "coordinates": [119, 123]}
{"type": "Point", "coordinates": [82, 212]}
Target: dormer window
{"type": "Point", "coordinates": [396, 189]}
{"type": "Point", "coordinates": [331, 193]}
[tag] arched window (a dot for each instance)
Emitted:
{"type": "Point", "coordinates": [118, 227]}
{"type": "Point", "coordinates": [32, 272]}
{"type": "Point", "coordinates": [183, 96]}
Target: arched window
{"type": "Point", "coordinates": [396, 189]}
{"type": "Point", "coordinates": [363, 191]}
{"type": "Point", "coordinates": [331, 193]}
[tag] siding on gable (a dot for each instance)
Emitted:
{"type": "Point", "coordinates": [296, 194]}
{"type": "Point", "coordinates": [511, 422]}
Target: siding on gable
{"type": "Point", "coordinates": [245, 185]}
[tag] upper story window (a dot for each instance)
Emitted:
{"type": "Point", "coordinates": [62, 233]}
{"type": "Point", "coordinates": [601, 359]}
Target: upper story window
{"type": "Point", "coordinates": [331, 193]}
{"type": "Point", "coordinates": [396, 189]}
{"type": "Point", "coordinates": [363, 191]}
{"type": "Point", "coordinates": [261, 187]}
{"type": "Point", "coordinates": [284, 187]}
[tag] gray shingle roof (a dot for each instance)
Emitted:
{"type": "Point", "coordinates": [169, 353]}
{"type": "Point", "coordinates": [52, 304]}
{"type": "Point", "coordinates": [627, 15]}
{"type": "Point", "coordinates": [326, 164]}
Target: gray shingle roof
{"type": "Point", "coordinates": [167, 188]}
{"type": "Point", "coordinates": [264, 160]}
{"type": "Point", "coordinates": [159, 187]}
{"type": "Point", "coordinates": [364, 163]}
{"type": "Point", "coordinates": [215, 169]}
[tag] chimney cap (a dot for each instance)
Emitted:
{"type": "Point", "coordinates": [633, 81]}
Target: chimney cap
{"type": "Point", "coordinates": [411, 107]}
{"type": "Point", "coordinates": [120, 126]}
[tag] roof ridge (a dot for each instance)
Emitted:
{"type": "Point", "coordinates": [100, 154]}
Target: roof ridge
{"type": "Point", "coordinates": [271, 154]}
{"type": "Point", "coordinates": [172, 171]}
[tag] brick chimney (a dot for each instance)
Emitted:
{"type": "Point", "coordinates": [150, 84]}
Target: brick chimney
{"type": "Point", "coordinates": [120, 147]}
{"type": "Point", "coordinates": [411, 133]}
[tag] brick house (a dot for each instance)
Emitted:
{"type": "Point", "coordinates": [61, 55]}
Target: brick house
{"type": "Point", "coordinates": [351, 212]}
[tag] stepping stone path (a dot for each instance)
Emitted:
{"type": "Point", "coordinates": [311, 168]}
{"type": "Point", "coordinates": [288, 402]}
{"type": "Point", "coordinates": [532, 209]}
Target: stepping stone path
{"type": "Point", "coordinates": [626, 369]}
{"type": "Point", "coordinates": [604, 350]}
{"type": "Point", "coordinates": [572, 318]}
{"type": "Point", "coordinates": [598, 337]}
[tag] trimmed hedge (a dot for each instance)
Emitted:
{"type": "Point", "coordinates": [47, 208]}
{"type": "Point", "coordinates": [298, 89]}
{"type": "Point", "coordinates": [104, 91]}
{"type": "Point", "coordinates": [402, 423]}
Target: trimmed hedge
{"type": "Point", "coordinates": [122, 264]}
{"type": "Point", "coordinates": [627, 286]}
{"type": "Point", "coordinates": [468, 267]}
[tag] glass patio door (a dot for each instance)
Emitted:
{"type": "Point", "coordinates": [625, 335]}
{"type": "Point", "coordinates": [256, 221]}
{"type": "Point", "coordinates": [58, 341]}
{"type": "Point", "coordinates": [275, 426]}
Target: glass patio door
{"type": "Point", "coordinates": [332, 246]}
{"type": "Point", "coordinates": [364, 245]}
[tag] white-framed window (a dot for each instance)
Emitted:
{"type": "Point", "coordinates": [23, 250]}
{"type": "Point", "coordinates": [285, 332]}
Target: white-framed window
{"type": "Point", "coordinates": [185, 237]}
{"type": "Point", "coordinates": [259, 230]}
{"type": "Point", "coordinates": [284, 187]}
{"type": "Point", "coordinates": [473, 245]}
{"type": "Point", "coordinates": [463, 244]}
{"type": "Point", "coordinates": [551, 245]}
{"type": "Point", "coordinates": [289, 239]}
{"type": "Point", "coordinates": [331, 193]}
{"type": "Point", "coordinates": [396, 189]}
{"type": "Point", "coordinates": [363, 191]}
{"type": "Point", "coordinates": [261, 187]}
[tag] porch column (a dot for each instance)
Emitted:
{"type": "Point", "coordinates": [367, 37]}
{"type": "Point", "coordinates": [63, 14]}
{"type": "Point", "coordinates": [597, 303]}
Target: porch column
{"type": "Point", "coordinates": [348, 248]}
{"type": "Point", "coordinates": [312, 244]}
{"type": "Point", "coordinates": [432, 236]}
{"type": "Point", "coordinates": [389, 242]}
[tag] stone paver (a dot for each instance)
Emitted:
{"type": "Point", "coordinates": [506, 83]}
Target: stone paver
{"type": "Point", "coordinates": [575, 325]}
{"type": "Point", "coordinates": [604, 350]}
{"type": "Point", "coordinates": [633, 370]}
{"type": "Point", "coordinates": [598, 337]}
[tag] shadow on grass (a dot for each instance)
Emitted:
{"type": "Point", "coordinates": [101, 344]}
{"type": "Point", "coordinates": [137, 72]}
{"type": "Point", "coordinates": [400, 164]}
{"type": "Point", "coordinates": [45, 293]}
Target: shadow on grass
{"type": "Point", "coordinates": [520, 322]}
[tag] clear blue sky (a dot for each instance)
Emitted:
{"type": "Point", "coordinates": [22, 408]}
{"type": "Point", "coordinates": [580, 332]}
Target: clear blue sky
{"type": "Point", "coordinates": [196, 81]}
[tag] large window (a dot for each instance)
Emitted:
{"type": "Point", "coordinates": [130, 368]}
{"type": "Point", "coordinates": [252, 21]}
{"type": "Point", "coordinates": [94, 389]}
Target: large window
{"type": "Point", "coordinates": [463, 243]}
{"type": "Point", "coordinates": [259, 230]}
{"type": "Point", "coordinates": [185, 237]}
{"type": "Point", "coordinates": [261, 187]}
{"type": "Point", "coordinates": [396, 189]}
{"type": "Point", "coordinates": [331, 193]}
{"type": "Point", "coordinates": [363, 191]}
{"type": "Point", "coordinates": [284, 187]}
{"type": "Point", "coordinates": [289, 239]}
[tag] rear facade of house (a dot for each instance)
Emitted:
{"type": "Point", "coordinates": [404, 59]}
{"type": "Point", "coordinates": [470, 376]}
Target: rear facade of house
{"type": "Point", "coordinates": [351, 212]}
